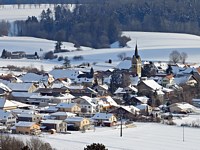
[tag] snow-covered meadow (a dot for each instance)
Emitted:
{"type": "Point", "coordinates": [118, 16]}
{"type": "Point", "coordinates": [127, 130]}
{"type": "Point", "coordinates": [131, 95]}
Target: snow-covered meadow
{"type": "Point", "coordinates": [152, 46]}
{"type": "Point", "coordinates": [145, 136]}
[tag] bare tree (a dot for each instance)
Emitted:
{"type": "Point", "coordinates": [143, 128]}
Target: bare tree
{"type": "Point", "coordinates": [184, 56]}
{"type": "Point", "coordinates": [121, 56]}
{"type": "Point", "coordinates": [174, 56]}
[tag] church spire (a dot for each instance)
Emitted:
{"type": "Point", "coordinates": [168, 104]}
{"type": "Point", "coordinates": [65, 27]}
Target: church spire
{"type": "Point", "coordinates": [136, 51]}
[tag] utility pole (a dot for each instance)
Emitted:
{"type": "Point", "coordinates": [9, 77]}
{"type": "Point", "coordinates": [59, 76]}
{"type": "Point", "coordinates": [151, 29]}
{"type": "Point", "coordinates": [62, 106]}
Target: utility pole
{"type": "Point", "coordinates": [121, 126]}
{"type": "Point", "coordinates": [183, 134]}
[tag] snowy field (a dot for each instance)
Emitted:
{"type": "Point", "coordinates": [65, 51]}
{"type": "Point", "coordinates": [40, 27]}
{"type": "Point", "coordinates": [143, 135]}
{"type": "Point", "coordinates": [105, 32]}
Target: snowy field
{"type": "Point", "coordinates": [152, 46]}
{"type": "Point", "coordinates": [145, 136]}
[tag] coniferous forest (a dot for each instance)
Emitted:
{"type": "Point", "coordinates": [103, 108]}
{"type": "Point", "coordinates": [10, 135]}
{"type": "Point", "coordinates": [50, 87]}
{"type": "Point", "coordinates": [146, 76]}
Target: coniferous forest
{"type": "Point", "coordinates": [100, 24]}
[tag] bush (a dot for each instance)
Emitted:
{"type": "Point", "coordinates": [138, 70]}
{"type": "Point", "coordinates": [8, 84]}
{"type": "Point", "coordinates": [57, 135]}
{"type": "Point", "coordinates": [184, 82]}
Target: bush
{"type": "Point", "coordinates": [95, 146]}
{"type": "Point", "coordinates": [50, 55]}
{"type": "Point", "coordinates": [60, 58]}
{"type": "Point", "coordinates": [78, 57]}
{"type": "Point", "coordinates": [10, 143]}
{"type": "Point", "coordinates": [123, 40]}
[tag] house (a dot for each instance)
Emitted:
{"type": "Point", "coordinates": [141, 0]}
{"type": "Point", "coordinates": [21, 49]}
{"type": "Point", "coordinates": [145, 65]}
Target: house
{"type": "Point", "coordinates": [61, 115]}
{"type": "Point", "coordinates": [65, 73]}
{"type": "Point", "coordinates": [181, 108]}
{"type": "Point", "coordinates": [79, 90]}
{"type": "Point", "coordinates": [137, 100]}
{"type": "Point", "coordinates": [69, 107]}
{"type": "Point", "coordinates": [17, 55]}
{"type": "Point", "coordinates": [102, 89]}
{"type": "Point", "coordinates": [22, 87]}
{"type": "Point", "coordinates": [153, 90]}
{"type": "Point", "coordinates": [109, 101]}
{"type": "Point", "coordinates": [145, 109]}
{"type": "Point", "coordinates": [86, 104]}
{"type": "Point", "coordinates": [7, 104]}
{"type": "Point", "coordinates": [126, 112]}
{"type": "Point", "coordinates": [23, 127]}
{"type": "Point", "coordinates": [4, 90]}
{"type": "Point", "coordinates": [168, 80]}
{"type": "Point", "coordinates": [29, 117]}
{"type": "Point", "coordinates": [7, 118]}
{"type": "Point", "coordinates": [36, 78]}
{"type": "Point", "coordinates": [58, 125]}
{"type": "Point", "coordinates": [131, 89]}
{"type": "Point", "coordinates": [32, 56]}
{"type": "Point", "coordinates": [185, 79]}
{"type": "Point", "coordinates": [43, 100]}
{"type": "Point", "coordinates": [105, 119]}
{"type": "Point", "coordinates": [77, 122]}
{"type": "Point", "coordinates": [60, 82]}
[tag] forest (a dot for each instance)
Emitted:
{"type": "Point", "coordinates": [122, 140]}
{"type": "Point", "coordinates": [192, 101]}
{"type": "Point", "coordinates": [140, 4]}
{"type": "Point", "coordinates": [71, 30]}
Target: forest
{"type": "Point", "coordinates": [100, 24]}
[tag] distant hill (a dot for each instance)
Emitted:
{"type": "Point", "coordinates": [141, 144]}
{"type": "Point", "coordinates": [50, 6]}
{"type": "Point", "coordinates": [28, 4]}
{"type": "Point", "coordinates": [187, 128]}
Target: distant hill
{"type": "Point", "coordinates": [98, 23]}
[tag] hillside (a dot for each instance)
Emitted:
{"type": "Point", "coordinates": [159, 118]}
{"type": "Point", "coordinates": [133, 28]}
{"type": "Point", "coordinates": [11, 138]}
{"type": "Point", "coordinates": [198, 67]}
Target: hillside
{"type": "Point", "coordinates": [98, 25]}
{"type": "Point", "coordinates": [152, 46]}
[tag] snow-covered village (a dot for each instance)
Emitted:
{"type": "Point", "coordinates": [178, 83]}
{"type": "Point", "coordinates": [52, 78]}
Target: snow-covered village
{"type": "Point", "coordinates": [61, 95]}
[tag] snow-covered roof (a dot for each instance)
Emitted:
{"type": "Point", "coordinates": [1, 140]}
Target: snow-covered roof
{"type": "Point", "coordinates": [4, 114]}
{"type": "Point", "coordinates": [88, 100]}
{"type": "Point", "coordinates": [32, 77]}
{"type": "Point", "coordinates": [104, 86]}
{"type": "Point", "coordinates": [182, 79]}
{"type": "Point", "coordinates": [142, 106]}
{"type": "Point", "coordinates": [24, 115]}
{"type": "Point", "coordinates": [125, 64]}
{"type": "Point", "coordinates": [66, 105]}
{"type": "Point", "coordinates": [102, 116]}
{"type": "Point", "coordinates": [51, 121]}
{"type": "Point", "coordinates": [152, 84]}
{"type": "Point", "coordinates": [109, 100]}
{"type": "Point", "coordinates": [131, 108]}
{"type": "Point", "coordinates": [19, 86]}
{"type": "Point", "coordinates": [7, 103]}
{"type": "Point", "coordinates": [69, 114]}
{"type": "Point", "coordinates": [74, 119]}
{"type": "Point", "coordinates": [20, 111]}
{"type": "Point", "coordinates": [24, 124]}
{"type": "Point", "coordinates": [60, 96]}
{"type": "Point", "coordinates": [20, 104]}
{"type": "Point", "coordinates": [183, 105]}
{"type": "Point", "coordinates": [142, 99]}
{"type": "Point", "coordinates": [134, 80]}
{"type": "Point", "coordinates": [21, 94]}
{"type": "Point", "coordinates": [65, 73]}
{"type": "Point", "coordinates": [120, 91]}
{"type": "Point", "coordinates": [4, 87]}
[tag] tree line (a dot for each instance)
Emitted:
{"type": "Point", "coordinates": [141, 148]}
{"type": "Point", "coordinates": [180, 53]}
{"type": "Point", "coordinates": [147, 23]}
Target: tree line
{"type": "Point", "coordinates": [3, 2]}
{"type": "Point", "coordinates": [100, 24]}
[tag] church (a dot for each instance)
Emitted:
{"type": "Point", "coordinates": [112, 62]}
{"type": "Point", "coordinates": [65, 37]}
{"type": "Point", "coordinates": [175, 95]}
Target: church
{"type": "Point", "coordinates": [136, 68]}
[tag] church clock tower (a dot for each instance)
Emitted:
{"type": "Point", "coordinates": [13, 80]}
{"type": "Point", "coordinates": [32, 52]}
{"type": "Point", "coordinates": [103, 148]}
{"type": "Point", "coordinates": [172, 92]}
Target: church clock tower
{"type": "Point", "coordinates": [136, 64]}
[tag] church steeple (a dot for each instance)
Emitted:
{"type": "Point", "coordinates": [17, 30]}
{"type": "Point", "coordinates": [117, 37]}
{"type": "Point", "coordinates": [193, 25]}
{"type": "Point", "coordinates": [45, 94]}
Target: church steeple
{"type": "Point", "coordinates": [136, 63]}
{"type": "Point", "coordinates": [136, 51]}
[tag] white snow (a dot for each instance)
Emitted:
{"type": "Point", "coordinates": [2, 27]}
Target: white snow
{"type": "Point", "coordinates": [152, 46]}
{"type": "Point", "coordinates": [145, 136]}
